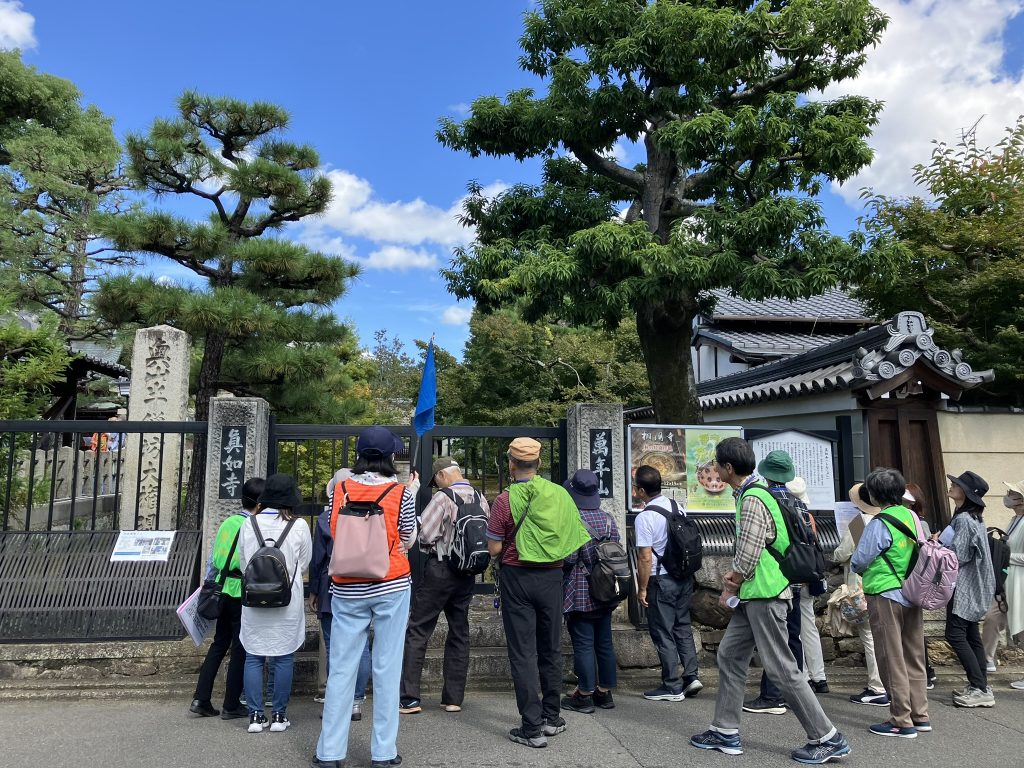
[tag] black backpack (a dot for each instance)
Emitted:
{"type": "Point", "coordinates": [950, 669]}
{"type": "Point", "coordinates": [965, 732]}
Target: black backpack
{"type": "Point", "coordinates": [265, 582]}
{"type": "Point", "coordinates": [1000, 552]}
{"type": "Point", "coordinates": [685, 551]}
{"type": "Point", "coordinates": [468, 553]}
{"type": "Point", "coordinates": [803, 562]}
{"type": "Point", "coordinates": [610, 579]}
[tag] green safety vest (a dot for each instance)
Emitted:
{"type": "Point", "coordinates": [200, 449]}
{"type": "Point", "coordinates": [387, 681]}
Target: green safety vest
{"type": "Point", "coordinates": [879, 577]}
{"type": "Point", "coordinates": [768, 581]}
{"type": "Point", "coordinates": [553, 529]}
{"type": "Point", "coordinates": [225, 536]}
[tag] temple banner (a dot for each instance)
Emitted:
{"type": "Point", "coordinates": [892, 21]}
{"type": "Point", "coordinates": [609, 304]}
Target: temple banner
{"type": "Point", "coordinates": [684, 455]}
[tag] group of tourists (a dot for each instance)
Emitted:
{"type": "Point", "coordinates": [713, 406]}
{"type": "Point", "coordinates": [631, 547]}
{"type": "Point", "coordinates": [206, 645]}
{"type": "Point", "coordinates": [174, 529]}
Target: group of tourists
{"type": "Point", "coordinates": [560, 558]}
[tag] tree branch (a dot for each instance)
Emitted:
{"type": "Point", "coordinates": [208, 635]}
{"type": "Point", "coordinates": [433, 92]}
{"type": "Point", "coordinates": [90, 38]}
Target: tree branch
{"type": "Point", "coordinates": [607, 167]}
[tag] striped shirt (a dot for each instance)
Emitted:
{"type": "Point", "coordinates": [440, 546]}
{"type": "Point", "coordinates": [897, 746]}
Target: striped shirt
{"type": "Point", "coordinates": [406, 532]}
{"type": "Point", "coordinates": [436, 522]}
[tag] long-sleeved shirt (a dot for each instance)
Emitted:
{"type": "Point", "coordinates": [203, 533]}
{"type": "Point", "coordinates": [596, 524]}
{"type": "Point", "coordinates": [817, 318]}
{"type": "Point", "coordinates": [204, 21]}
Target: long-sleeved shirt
{"type": "Point", "coordinates": [976, 579]}
{"type": "Point", "coordinates": [319, 581]}
{"type": "Point", "coordinates": [875, 540]}
{"type": "Point", "coordinates": [406, 532]}
{"type": "Point", "coordinates": [756, 531]}
{"type": "Point", "coordinates": [577, 567]}
{"type": "Point", "coordinates": [437, 518]}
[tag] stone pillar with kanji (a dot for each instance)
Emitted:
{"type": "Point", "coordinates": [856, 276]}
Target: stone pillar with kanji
{"type": "Point", "coordinates": [594, 441]}
{"type": "Point", "coordinates": [236, 450]}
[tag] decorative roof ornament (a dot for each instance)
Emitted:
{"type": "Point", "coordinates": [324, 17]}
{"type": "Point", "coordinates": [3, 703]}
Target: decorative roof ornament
{"type": "Point", "coordinates": [911, 338]}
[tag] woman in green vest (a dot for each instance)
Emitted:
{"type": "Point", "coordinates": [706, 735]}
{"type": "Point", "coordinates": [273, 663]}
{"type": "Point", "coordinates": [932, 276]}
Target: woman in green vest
{"type": "Point", "coordinates": [883, 557]}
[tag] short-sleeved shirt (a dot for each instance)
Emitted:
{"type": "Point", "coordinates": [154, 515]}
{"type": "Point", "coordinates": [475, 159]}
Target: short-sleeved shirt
{"type": "Point", "coordinates": [501, 527]}
{"type": "Point", "coordinates": [652, 531]}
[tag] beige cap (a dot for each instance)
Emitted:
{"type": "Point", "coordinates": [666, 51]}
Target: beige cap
{"type": "Point", "coordinates": [524, 449]}
{"type": "Point", "coordinates": [798, 487]}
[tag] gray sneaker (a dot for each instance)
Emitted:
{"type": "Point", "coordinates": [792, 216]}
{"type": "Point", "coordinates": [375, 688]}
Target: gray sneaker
{"type": "Point", "coordinates": [553, 727]}
{"type": "Point", "coordinates": [975, 697]}
{"type": "Point", "coordinates": [537, 742]}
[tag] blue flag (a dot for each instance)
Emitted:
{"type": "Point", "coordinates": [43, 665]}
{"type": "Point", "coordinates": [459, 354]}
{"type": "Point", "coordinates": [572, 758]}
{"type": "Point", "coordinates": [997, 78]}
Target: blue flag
{"type": "Point", "coordinates": [423, 422]}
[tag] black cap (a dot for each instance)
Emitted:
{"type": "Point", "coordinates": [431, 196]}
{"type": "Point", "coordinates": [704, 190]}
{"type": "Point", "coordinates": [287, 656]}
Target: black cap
{"type": "Point", "coordinates": [280, 492]}
{"type": "Point", "coordinates": [973, 485]}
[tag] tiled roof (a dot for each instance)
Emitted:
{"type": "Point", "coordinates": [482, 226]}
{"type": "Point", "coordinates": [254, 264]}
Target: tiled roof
{"type": "Point", "coordinates": [100, 357]}
{"type": "Point", "coordinates": [834, 306]}
{"type": "Point", "coordinates": [759, 344]}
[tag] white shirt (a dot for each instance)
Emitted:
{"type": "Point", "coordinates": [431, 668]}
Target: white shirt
{"type": "Point", "coordinates": [652, 531]}
{"type": "Point", "coordinates": [276, 631]}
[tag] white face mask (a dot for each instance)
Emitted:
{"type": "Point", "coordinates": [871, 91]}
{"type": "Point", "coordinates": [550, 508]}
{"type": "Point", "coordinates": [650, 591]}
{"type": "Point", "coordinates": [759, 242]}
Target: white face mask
{"type": "Point", "coordinates": [1012, 502]}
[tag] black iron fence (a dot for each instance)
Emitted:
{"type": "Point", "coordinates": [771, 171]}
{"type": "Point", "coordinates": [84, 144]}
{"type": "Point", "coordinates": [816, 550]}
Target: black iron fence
{"type": "Point", "coordinates": [97, 475]}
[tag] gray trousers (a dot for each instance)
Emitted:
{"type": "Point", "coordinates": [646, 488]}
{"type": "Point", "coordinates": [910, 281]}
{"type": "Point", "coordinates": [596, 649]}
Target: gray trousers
{"type": "Point", "coordinates": [762, 623]}
{"type": "Point", "coordinates": [668, 620]}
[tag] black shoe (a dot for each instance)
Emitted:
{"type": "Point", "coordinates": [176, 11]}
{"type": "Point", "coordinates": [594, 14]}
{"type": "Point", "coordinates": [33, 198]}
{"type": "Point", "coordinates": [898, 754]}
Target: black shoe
{"type": "Point", "coordinates": [234, 713]}
{"type": "Point", "coordinates": [604, 699]}
{"type": "Point", "coordinates": [577, 702]}
{"type": "Point", "coordinates": [203, 709]}
{"type": "Point", "coordinates": [537, 742]}
{"type": "Point", "coordinates": [765, 707]}
{"type": "Point", "coordinates": [316, 762]}
{"type": "Point", "coordinates": [396, 760]}
{"type": "Point", "coordinates": [819, 686]}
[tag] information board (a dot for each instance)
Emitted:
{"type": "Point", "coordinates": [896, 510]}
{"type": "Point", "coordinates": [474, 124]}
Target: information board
{"type": "Point", "coordinates": [812, 457]}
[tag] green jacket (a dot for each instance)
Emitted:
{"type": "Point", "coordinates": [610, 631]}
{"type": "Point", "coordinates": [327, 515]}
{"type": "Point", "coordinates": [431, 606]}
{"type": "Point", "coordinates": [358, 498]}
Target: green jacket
{"type": "Point", "coordinates": [553, 529]}
{"type": "Point", "coordinates": [226, 534]}
{"type": "Point", "coordinates": [768, 581]}
{"type": "Point", "coordinates": [878, 577]}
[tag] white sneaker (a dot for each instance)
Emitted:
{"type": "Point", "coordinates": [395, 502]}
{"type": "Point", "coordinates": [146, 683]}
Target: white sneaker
{"type": "Point", "coordinates": [279, 722]}
{"type": "Point", "coordinates": [1018, 684]}
{"type": "Point", "coordinates": [975, 697]}
{"type": "Point", "coordinates": [990, 667]}
{"type": "Point", "coordinates": [257, 722]}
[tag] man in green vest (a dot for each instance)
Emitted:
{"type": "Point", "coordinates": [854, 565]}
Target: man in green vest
{"type": "Point", "coordinates": [761, 597]}
{"type": "Point", "coordinates": [532, 528]}
{"type": "Point", "coordinates": [883, 558]}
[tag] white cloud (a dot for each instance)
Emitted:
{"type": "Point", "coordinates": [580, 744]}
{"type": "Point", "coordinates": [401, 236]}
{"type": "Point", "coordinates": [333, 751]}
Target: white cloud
{"type": "Point", "coordinates": [17, 26]}
{"type": "Point", "coordinates": [397, 257]}
{"type": "Point", "coordinates": [355, 211]}
{"type": "Point", "coordinates": [462, 109]}
{"type": "Point", "coordinates": [938, 69]}
{"type": "Point", "coordinates": [456, 315]}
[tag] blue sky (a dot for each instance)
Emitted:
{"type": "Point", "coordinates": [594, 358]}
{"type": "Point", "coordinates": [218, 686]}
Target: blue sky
{"type": "Point", "coordinates": [366, 83]}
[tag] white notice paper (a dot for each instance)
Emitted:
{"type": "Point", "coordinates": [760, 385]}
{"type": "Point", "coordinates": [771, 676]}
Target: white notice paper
{"type": "Point", "coordinates": [812, 457]}
{"type": "Point", "coordinates": [846, 511]}
{"type": "Point", "coordinates": [142, 547]}
{"type": "Point", "coordinates": [197, 627]}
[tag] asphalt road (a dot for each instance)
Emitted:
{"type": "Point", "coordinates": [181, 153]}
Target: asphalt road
{"type": "Point", "coordinates": [158, 733]}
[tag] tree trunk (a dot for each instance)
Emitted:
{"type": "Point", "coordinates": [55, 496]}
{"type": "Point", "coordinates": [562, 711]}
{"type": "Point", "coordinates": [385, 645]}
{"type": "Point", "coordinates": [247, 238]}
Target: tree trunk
{"type": "Point", "coordinates": [665, 336]}
{"type": "Point", "coordinates": [209, 375]}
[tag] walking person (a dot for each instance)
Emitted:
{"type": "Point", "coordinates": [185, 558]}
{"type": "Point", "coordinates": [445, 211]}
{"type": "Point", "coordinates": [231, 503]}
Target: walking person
{"type": "Point", "coordinates": [358, 600]}
{"type": "Point", "coordinates": [874, 694]}
{"type": "Point", "coordinates": [884, 557]}
{"type": "Point", "coordinates": [441, 588]}
{"type": "Point", "coordinates": [975, 586]}
{"type": "Point", "coordinates": [810, 637]}
{"type": "Point", "coordinates": [1014, 501]}
{"type": "Point", "coordinates": [666, 599]}
{"type": "Point", "coordinates": [225, 559]}
{"type": "Point", "coordinates": [272, 635]}
{"type": "Point", "coordinates": [534, 525]}
{"type": "Point", "coordinates": [589, 622]}
{"type": "Point", "coordinates": [764, 600]}
{"type": "Point", "coordinates": [320, 604]}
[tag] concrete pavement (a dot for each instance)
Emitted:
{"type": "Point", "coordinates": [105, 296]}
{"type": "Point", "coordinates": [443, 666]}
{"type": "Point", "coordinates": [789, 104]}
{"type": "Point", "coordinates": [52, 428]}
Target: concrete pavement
{"type": "Point", "coordinates": [157, 733]}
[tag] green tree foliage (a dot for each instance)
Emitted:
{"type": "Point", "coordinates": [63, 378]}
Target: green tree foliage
{"type": "Point", "coordinates": [258, 305]}
{"type": "Point", "coordinates": [29, 97]}
{"type": "Point", "coordinates": [715, 93]}
{"type": "Point", "coordinates": [32, 359]}
{"type": "Point", "coordinates": [515, 372]}
{"type": "Point", "coordinates": [55, 180]}
{"type": "Point", "coordinates": [959, 256]}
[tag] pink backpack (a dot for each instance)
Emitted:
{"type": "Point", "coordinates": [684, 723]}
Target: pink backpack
{"type": "Point", "coordinates": [361, 549]}
{"type": "Point", "coordinates": [933, 569]}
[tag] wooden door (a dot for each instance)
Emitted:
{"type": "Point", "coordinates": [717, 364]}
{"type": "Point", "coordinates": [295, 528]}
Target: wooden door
{"type": "Point", "coordinates": [906, 437]}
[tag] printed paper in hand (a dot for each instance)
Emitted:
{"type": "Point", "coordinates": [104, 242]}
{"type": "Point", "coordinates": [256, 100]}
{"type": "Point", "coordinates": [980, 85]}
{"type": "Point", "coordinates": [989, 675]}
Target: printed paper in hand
{"type": "Point", "coordinates": [197, 627]}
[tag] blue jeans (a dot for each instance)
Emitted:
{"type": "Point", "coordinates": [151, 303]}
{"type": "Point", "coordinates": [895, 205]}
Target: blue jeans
{"type": "Point", "coordinates": [389, 614]}
{"type": "Point", "coordinates": [592, 650]}
{"type": "Point", "coordinates": [280, 681]}
{"type": "Point", "coordinates": [363, 675]}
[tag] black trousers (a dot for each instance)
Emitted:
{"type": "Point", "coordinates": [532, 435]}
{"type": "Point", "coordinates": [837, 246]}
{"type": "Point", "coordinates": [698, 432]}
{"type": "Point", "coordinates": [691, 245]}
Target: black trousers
{"type": "Point", "coordinates": [439, 589]}
{"type": "Point", "coordinates": [531, 612]}
{"type": "Point", "coordinates": [668, 621]}
{"type": "Point", "coordinates": [226, 636]}
{"type": "Point", "coordinates": [965, 639]}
